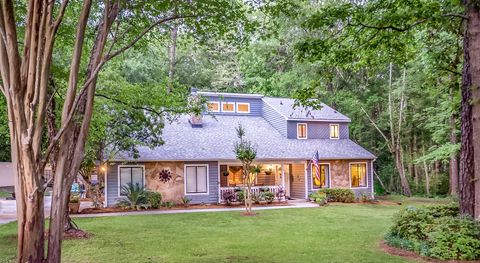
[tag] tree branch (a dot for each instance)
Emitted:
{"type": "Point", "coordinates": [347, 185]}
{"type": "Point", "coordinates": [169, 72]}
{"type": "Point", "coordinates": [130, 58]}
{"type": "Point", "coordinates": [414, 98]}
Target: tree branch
{"type": "Point", "coordinates": [378, 129]}
{"type": "Point", "coordinates": [158, 113]}
{"type": "Point", "coordinates": [137, 38]}
{"type": "Point", "coordinates": [60, 15]}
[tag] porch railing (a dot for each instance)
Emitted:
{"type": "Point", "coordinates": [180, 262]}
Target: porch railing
{"type": "Point", "coordinates": [255, 190]}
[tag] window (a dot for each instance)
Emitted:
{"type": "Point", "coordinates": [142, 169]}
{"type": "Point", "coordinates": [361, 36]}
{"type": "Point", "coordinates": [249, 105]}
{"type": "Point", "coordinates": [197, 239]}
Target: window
{"type": "Point", "coordinates": [228, 107]}
{"type": "Point", "coordinates": [213, 106]}
{"type": "Point", "coordinates": [334, 131]}
{"type": "Point", "coordinates": [319, 179]}
{"type": "Point", "coordinates": [130, 174]}
{"type": "Point", "coordinates": [301, 131]}
{"type": "Point", "coordinates": [243, 107]}
{"type": "Point", "coordinates": [358, 174]}
{"type": "Point", "coordinates": [196, 179]}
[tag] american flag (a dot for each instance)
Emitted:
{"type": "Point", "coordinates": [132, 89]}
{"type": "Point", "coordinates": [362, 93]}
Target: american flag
{"type": "Point", "coordinates": [315, 161]}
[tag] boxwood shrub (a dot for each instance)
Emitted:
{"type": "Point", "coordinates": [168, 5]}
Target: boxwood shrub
{"type": "Point", "coordinates": [338, 195]}
{"type": "Point", "coordinates": [436, 231]}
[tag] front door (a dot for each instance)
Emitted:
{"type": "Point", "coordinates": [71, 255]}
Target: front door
{"type": "Point", "coordinates": [297, 181]}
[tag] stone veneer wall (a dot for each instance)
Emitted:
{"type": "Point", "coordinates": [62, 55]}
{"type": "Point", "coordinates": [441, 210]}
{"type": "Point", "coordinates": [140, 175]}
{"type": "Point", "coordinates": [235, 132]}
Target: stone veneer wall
{"type": "Point", "coordinates": [172, 190]}
{"type": "Point", "coordinates": [340, 176]}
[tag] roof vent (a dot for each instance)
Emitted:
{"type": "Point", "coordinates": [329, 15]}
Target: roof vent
{"type": "Point", "coordinates": [281, 102]}
{"type": "Point", "coordinates": [196, 121]}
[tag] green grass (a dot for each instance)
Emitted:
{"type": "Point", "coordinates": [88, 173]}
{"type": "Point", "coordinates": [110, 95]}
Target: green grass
{"type": "Point", "coordinates": [4, 194]}
{"type": "Point", "coordinates": [336, 233]}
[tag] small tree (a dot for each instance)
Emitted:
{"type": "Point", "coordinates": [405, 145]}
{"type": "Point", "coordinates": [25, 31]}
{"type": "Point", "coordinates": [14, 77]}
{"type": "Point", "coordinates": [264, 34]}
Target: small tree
{"type": "Point", "coordinates": [246, 153]}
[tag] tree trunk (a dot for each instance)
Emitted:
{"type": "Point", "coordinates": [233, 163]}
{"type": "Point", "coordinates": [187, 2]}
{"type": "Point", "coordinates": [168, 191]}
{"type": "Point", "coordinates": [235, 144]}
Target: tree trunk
{"type": "Point", "coordinates": [470, 115]}
{"type": "Point", "coordinates": [172, 51]}
{"type": "Point", "coordinates": [453, 164]}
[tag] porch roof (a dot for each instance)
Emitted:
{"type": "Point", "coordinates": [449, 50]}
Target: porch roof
{"type": "Point", "coordinates": [215, 141]}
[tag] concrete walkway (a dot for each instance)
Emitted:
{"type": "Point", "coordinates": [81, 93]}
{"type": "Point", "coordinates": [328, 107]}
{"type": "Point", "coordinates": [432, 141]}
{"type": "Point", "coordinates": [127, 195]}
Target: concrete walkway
{"type": "Point", "coordinates": [292, 204]}
{"type": "Point", "coordinates": [296, 204]}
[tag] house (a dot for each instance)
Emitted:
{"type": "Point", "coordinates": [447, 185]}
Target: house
{"type": "Point", "coordinates": [198, 161]}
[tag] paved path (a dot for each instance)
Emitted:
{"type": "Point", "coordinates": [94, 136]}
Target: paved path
{"type": "Point", "coordinates": [293, 204]}
{"type": "Point", "coordinates": [297, 204]}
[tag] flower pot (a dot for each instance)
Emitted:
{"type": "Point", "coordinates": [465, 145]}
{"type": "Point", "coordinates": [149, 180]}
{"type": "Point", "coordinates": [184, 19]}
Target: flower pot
{"type": "Point", "coordinates": [74, 208]}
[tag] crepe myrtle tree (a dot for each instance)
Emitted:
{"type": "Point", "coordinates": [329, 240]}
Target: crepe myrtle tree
{"type": "Point", "coordinates": [246, 153]}
{"type": "Point", "coordinates": [92, 33]}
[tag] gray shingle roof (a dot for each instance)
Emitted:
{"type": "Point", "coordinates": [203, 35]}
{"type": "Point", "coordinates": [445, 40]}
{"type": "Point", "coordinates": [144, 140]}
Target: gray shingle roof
{"type": "Point", "coordinates": [285, 107]}
{"type": "Point", "coordinates": [215, 141]}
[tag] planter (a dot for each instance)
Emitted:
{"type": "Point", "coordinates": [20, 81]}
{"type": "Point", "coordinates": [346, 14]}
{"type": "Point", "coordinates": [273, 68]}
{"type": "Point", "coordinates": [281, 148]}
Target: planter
{"type": "Point", "coordinates": [74, 208]}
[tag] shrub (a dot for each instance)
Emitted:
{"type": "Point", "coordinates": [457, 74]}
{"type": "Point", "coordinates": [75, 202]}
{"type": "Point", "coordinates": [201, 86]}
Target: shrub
{"type": "Point", "coordinates": [135, 196]}
{"type": "Point", "coordinates": [257, 197]}
{"type": "Point", "coordinates": [240, 196]}
{"type": "Point", "coordinates": [269, 197]}
{"type": "Point", "coordinates": [185, 201]}
{"type": "Point", "coordinates": [436, 231]}
{"type": "Point", "coordinates": [319, 197]}
{"type": "Point", "coordinates": [168, 204]}
{"type": "Point", "coordinates": [339, 195]}
{"type": "Point", "coordinates": [229, 196]}
{"type": "Point", "coordinates": [154, 199]}
{"type": "Point", "coordinates": [455, 238]}
{"type": "Point", "coordinates": [74, 199]}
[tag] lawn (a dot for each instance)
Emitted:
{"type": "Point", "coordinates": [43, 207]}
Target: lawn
{"type": "Point", "coordinates": [336, 233]}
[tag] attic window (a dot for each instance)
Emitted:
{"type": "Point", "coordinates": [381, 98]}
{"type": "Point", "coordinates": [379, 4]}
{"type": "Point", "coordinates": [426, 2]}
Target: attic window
{"type": "Point", "coordinates": [301, 131]}
{"type": "Point", "coordinates": [213, 106]}
{"type": "Point", "coordinates": [243, 107]}
{"type": "Point", "coordinates": [228, 106]}
{"type": "Point", "coordinates": [334, 131]}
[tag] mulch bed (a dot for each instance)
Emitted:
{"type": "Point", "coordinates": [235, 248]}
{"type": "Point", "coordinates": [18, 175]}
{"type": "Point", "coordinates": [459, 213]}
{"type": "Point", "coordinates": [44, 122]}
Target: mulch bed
{"type": "Point", "coordinates": [414, 256]}
{"type": "Point", "coordinates": [76, 234]}
{"type": "Point", "coordinates": [177, 207]}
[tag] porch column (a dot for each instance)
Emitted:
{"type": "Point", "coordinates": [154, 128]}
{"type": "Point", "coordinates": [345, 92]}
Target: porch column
{"type": "Point", "coordinates": [283, 180]}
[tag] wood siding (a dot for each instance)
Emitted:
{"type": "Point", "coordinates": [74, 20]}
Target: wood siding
{"type": "Point", "coordinates": [317, 130]}
{"type": "Point", "coordinates": [275, 119]}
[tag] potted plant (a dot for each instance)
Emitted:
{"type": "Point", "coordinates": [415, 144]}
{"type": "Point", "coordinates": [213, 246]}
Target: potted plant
{"type": "Point", "coordinates": [74, 204]}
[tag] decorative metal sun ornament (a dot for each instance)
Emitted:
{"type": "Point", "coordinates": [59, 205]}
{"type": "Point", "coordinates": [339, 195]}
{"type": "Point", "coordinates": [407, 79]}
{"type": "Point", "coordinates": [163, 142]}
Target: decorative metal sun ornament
{"type": "Point", "coordinates": [165, 175]}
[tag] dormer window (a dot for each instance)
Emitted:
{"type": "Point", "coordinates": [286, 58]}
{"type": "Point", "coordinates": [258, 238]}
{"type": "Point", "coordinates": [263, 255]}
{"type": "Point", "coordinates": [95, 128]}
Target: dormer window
{"type": "Point", "coordinates": [301, 131]}
{"type": "Point", "coordinates": [228, 106]}
{"type": "Point", "coordinates": [243, 107]}
{"type": "Point", "coordinates": [334, 131]}
{"type": "Point", "coordinates": [213, 106]}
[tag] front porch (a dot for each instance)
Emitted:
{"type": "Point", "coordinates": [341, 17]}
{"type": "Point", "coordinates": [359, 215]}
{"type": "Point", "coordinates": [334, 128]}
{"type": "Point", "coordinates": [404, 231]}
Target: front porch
{"type": "Point", "coordinates": [289, 178]}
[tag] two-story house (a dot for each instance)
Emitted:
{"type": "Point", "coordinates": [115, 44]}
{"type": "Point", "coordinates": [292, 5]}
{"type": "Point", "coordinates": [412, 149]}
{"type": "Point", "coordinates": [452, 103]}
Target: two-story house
{"type": "Point", "coordinates": [198, 160]}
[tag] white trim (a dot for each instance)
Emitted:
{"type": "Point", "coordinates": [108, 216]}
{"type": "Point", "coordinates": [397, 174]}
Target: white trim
{"type": "Point", "coordinates": [213, 102]}
{"type": "Point", "coordinates": [350, 174]}
{"type": "Point", "coordinates": [185, 179]}
{"type": "Point", "coordinates": [231, 95]}
{"type": "Point", "coordinates": [330, 131]}
{"type": "Point", "coordinates": [124, 166]}
{"type": "Point", "coordinates": [329, 175]}
{"type": "Point", "coordinates": [242, 103]}
{"type": "Point", "coordinates": [227, 102]}
{"type": "Point", "coordinates": [306, 130]}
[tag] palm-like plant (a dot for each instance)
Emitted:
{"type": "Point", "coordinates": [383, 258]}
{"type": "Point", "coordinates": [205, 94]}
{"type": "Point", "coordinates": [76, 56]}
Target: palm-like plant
{"type": "Point", "coordinates": [135, 196]}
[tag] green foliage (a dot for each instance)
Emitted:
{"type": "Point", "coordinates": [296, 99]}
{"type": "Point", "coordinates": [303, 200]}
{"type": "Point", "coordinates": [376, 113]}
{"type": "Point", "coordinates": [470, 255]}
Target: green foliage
{"type": "Point", "coordinates": [168, 204]}
{"type": "Point", "coordinates": [4, 132]}
{"type": "Point", "coordinates": [436, 231]}
{"type": "Point", "coordinates": [268, 197]}
{"type": "Point", "coordinates": [74, 199]}
{"type": "Point", "coordinates": [240, 196]}
{"type": "Point", "coordinates": [244, 149]}
{"type": "Point", "coordinates": [135, 196]}
{"type": "Point", "coordinates": [338, 195]}
{"type": "Point", "coordinates": [455, 238]}
{"type": "Point", "coordinates": [319, 197]}
{"type": "Point", "coordinates": [154, 199]}
{"type": "Point", "coordinates": [185, 201]}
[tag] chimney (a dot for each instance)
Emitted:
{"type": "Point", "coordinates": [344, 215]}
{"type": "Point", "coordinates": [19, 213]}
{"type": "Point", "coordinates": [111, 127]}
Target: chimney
{"type": "Point", "coordinates": [196, 121]}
